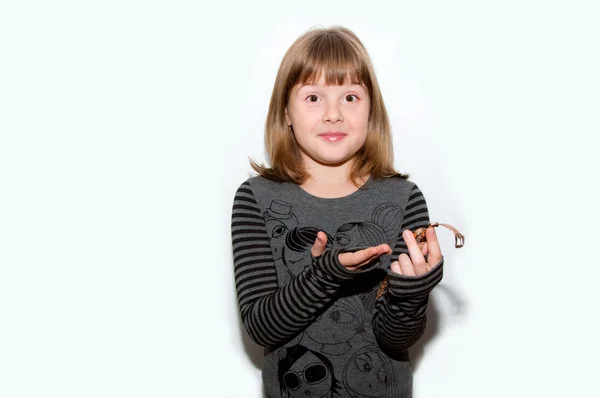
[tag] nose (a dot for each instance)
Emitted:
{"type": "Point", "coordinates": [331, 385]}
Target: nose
{"type": "Point", "coordinates": [333, 113]}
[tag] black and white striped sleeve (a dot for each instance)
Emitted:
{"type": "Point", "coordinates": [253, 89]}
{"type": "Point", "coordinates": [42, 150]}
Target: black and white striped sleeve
{"type": "Point", "coordinates": [272, 314]}
{"type": "Point", "coordinates": [400, 315]}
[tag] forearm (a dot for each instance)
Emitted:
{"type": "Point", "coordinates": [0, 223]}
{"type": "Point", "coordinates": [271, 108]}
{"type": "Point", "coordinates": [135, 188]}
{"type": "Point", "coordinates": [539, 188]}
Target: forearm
{"type": "Point", "coordinates": [400, 313]}
{"type": "Point", "coordinates": [282, 313]}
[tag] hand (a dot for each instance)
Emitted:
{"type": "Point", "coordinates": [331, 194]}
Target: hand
{"type": "Point", "coordinates": [351, 261]}
{"type": "Point", "coordinates": [416, 265]}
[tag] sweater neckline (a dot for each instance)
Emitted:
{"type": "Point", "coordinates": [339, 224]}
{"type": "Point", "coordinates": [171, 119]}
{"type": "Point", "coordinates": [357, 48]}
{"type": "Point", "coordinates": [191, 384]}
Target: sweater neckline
{"type": "Point", "coordinates": [351, 195]}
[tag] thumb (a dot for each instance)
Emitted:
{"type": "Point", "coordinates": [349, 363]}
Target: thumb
{"type": "Point", "coordinates": [319, 246]}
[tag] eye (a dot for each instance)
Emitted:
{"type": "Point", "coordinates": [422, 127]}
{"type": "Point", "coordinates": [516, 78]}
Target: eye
{"type": "Point", "coordinates": [312, 98]}
{"type": "Point", "coordinates": [363, 363]}
{"type": "Point", "coordinates": [351, 98]}
{"type": "Point", "coordinates": [278, 231]}
{"type": "Point", "coordinates": [342, 239]}
{"type": "Point", "coordinates": [291, 380]}
{"type": "Point", "coordinates": [341, 316]}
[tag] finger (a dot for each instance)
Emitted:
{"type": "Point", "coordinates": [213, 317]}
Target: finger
{"type": "Point", "coordinates": [395, 267]}
{"type": "Point", "coordinates": [319, 246]}
{"type": "Point", "coordinates": [357, 259]}
{"type": "Point", "coordinates": [416, 257]}
{"type": "Point", "coordinates": [362, 257]}
{"type": "Point", "coordinates": [424, 248]}
{"type": "Point", "coordinates": [406, 265]}
{"type": "Point", "coordinates": [435, 252]}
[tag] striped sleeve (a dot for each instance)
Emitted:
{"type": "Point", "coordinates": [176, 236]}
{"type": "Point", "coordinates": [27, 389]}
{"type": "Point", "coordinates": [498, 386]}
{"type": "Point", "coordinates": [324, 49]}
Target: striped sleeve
{"type": "Point", "coordinates": [272, 314]}
{"type": "Point", "coordinates": [400, 318]}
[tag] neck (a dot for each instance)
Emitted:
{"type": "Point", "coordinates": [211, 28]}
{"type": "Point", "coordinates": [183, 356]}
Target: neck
{"type": "Point", "coordinates": [329, 181]}
{"type": "Point", "coordinates": [328, 174]}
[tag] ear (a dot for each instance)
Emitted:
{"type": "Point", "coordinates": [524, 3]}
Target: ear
{"type": "Point", "coordinates": [287, 118]}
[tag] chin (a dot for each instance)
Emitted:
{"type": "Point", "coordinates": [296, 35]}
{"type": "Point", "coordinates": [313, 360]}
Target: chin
{"type": "Point", "coordinates": [333, 160]}
{"type": "Point", "coordinates": [331, 156]}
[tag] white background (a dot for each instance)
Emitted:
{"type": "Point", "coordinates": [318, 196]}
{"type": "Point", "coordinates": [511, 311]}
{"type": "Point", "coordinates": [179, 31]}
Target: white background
{"type": "Point", "coordinates": [126, 128]}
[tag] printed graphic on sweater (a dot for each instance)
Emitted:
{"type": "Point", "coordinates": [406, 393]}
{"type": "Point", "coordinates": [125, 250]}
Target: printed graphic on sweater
{"type": "Point", "coordinates": [291, 243]}
{"type": "Point", "coordinates": [303, 372]}
{"type": "Point", "coordinates": [369, 374]}
{"type": "Point", "coordinates": [279, 220]}
{"type": "Point", "coordinates": [338, 325]}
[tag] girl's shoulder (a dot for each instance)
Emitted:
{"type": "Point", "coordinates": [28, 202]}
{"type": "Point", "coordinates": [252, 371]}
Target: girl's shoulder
{"type": "Point", "coordinates": [262, 186]}
{"type": "Point", "coordinates": [393, 184]}
{"type": "Point", "coordinates": [261, 182]}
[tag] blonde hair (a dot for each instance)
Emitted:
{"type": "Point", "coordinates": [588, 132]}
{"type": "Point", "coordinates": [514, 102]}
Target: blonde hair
{"type": "Point", "coordinates": [340, 55]}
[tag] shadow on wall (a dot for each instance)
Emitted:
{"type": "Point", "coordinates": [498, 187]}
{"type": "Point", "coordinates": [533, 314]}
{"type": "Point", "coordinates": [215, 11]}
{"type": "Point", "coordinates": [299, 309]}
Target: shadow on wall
{"type": "Point", "coordinates": [253, 350]}
{"type": "Point", "coordinates": [433, 327]}
{"type": "Point", "coordinates": [416, 352]}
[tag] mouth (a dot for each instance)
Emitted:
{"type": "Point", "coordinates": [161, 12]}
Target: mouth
{"type": "Point", "coordinates": [333, 136]}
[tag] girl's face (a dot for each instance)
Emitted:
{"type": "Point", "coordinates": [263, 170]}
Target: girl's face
{"type": "Point", "coordinates": [330, 122]}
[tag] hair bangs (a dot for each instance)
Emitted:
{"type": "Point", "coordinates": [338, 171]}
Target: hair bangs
{"type": "Point", "coordinates": [334, 55]}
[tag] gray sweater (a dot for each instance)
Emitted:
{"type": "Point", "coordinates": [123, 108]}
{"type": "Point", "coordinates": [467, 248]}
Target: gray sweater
{"type": "Point", "coordinates": [325, 331]}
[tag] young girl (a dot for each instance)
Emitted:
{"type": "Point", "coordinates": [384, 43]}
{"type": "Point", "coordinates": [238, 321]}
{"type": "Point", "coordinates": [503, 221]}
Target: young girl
{"type": "Point", "coordinates": [329, 276]}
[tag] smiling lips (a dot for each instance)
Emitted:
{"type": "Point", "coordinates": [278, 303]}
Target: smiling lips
{"type": "Point", "coordinates": [333, 136]}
